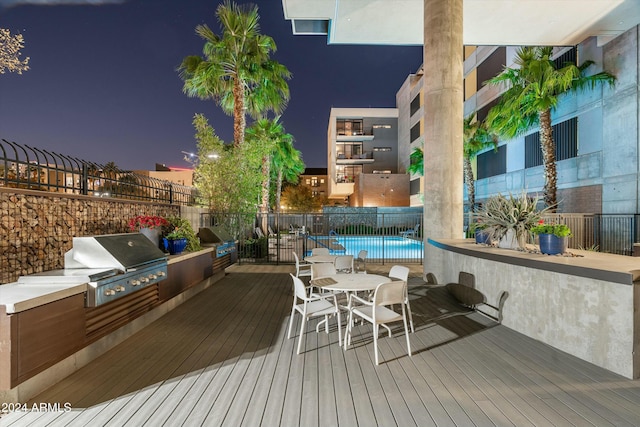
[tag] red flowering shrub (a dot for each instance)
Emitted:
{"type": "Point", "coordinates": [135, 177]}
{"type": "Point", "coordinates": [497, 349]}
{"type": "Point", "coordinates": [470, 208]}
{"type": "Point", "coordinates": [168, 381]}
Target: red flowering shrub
{"type": "Point", "coordinates": [146, 221]}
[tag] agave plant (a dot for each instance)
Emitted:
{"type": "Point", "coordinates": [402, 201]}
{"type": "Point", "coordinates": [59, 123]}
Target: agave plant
{"type": "Point", "coordinates": [518, 213]}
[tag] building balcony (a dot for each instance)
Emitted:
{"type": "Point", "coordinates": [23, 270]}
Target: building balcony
{"type": "Point", "coordinates": [355, 159]}
{"type": "Point", "coordinates": [355, 136]}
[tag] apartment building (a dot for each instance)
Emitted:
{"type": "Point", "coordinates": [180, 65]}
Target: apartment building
{"type": "Point", "coordinates": [362, 153]}
{"type": "Point", "coordinates": [317, 181]}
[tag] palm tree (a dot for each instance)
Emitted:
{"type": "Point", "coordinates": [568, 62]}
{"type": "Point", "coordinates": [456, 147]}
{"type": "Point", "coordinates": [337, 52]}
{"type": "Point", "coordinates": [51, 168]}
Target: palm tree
{"type": "Point", "coordinates": [236, 70]}
{"type": "Point", "coordinates": [267, 133]}
{"type": "Point", "coordinates": [416, 165]}
{"type": "Point", "coordinates": [287, 164]}
{"type": "Point", "coordinates": [534, 91]}
{"type": "Point", "coordinates": [476, 137]}
{"type": "Point", "coordinates": [416, 162]}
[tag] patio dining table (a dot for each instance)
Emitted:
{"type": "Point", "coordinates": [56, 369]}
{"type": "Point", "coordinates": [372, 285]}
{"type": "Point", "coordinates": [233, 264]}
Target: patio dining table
{"type": "Point", "coordinates": [317, 259]}
{"type": "Point", "coordinates": [348, 283]}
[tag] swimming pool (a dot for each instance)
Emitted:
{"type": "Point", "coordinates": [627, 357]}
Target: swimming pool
{"type": "Point", "coordinates": [377, 247]}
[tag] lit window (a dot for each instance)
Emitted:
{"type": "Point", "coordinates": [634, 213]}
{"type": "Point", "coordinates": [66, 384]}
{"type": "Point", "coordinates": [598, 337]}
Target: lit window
{"type": "Point", "coordinates": [382, 126]}
{"type": "Point", "coordinates": [381, 148]}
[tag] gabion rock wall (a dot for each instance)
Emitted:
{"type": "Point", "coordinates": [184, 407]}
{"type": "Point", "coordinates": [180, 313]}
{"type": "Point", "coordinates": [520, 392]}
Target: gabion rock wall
{"type": "Point", "coordinates": [37, 228]}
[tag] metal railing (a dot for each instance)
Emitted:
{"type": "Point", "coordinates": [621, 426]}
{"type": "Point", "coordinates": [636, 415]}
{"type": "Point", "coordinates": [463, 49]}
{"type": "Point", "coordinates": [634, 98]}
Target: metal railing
{"type": "Point", "coordinates": [610, 233]}
{"type": "Point", "coordinates": [272, 238]}
{"type": "Point", "coordinates": [22, 166]}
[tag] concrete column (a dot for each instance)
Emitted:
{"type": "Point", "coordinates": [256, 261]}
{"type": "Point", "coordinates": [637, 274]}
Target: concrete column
{"type": "Point", "coordinates": [443, 115]}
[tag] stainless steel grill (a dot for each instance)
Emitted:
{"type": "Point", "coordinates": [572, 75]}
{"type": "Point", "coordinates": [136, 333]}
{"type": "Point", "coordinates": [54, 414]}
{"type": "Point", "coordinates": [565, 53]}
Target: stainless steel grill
{"type": "Point", "coordinates": [222, 241]}
{"type": "Point", "coordinates": [112, 265]}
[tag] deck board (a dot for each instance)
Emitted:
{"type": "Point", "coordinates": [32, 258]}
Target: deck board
{"type": "Point", "coordinates": [223, 358]}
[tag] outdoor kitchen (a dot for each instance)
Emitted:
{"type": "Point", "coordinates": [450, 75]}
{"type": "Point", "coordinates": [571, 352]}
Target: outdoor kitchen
{"type": "Point", "coordinates": [54, 322]}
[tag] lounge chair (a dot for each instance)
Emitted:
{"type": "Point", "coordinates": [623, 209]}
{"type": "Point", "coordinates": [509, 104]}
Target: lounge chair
{"type": "Point", "coordinates": [412, 232]}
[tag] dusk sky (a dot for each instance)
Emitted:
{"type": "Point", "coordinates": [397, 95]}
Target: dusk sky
{"type": "Point", "coordinates": [103, 86]}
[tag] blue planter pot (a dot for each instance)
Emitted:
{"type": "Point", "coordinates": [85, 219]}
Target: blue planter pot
{"type": "Point", "coordinates": [551, 244]}
{"type": "Point", "coordinates": [482, 237]}
{"type": "Point", "coordinates": [176, 246]}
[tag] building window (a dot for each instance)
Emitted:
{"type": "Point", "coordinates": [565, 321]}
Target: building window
{"type": "Point", "coordinates": [492, 163]}
{"type": "Point", "coordinates": [308, 181]}
{"type": "Point", "coordinates": [567, 58]}
{"type": "Point", "coordinates": [347, 173]}
{"type": "Point", "coordinates": [491, 67]}
{"type": "Point", "coordinates": [348, 150]}
{"type": "Point", "coordinates": [415, 105]}
{"type": "Point", "coordinates": [565, 136]}
{"type": "Point", "coordinates": [381, 148]}
{"type": "Point", "coordinates": [382, 171]}
{"type": "Point", "coordinates": [382, 126]}
{"type": "Point", "coordinates": [414, 187]}
{"type": "Point", "coordinates": [321, 180]}
{"type": "Point", "coordinates": [314, 181]}
{"type": "Point", "coordinates": [349, 127]}
{"type": "Point", "coordinates": [484, 111]}
{"type": "Point", "coordinates": [415, 132]}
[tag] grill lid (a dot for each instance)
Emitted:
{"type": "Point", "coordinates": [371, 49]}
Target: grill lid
{"type": "Point", "coordinates": [214, 234]}
{"type": "Point", "coordinates": [122, 251]}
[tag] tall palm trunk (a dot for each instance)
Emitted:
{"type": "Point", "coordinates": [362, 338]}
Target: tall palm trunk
{"type": "Point", "coordinates": [471, 184]}
{"type": "Point", "coordinates": [279, 189]}
{"type": "Point", "coordinates": [548, 148]}
{"type": "Point", "coordinates": [264, 208]}
{"type": "Point", "coordinates": [239, 119]}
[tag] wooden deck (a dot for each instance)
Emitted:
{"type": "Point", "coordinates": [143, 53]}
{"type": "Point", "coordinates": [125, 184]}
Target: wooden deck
{"type": "Point", "coordinates": [222, 359]}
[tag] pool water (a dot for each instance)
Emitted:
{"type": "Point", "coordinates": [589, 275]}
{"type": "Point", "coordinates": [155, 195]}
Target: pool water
{"type": "Point", "coordinates": [387, 247]}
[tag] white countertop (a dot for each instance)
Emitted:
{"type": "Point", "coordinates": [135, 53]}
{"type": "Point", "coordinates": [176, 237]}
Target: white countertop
{"type": "Point", "coordinates": [18, 297]}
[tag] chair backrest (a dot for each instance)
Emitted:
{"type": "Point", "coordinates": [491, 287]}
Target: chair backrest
{"type": "Point", "coordinates": [259, 232]}
{"type": "Point", "coordinates": [362, 255]}
{"type": "Point", "coordinates": [298, 288]}
{"type": "Point", "coordinates": [270, 230]}
{"type": "Point", "coordinates": [320, 251]}
{"type": "Point", "coordinates": [389, 293]}
{"type": "Point", "coordinates": [399, 272]}
{"type": "Point", "coordinates": [344, 263]}
{"type": "Point", "coordinates": [322, 269]}
{"type": "Point", "coordinates": [295, 256]}
{"type": "Point", "coordinates": [431, 279]}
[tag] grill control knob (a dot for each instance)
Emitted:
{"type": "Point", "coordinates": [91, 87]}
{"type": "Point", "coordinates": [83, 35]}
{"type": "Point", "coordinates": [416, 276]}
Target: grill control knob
{"type": "Point", "coordinates": [109, 292]}
{"type": "Point", "coordinates": [152, 277]}
{"type": "Point", "coordinates": [135, 282]}
{"type": "Point", "coordinates": [144, 280]}
{"type": "Point", "coordinates": [161, 273]}
{"type": "Point", "coordinates": [119, 288]}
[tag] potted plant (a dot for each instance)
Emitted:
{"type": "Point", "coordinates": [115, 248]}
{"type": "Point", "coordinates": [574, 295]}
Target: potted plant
{"type": "Point", "coordinates": [149, 225]}
{"type": "Point", "coordinates": [509, 220]}
{"type": "Point", "coordinates": [180, 236]}
{"type": "Point", "coordinates": [478, 230]}
{"type": "Point", "coordinates": [553, 238]}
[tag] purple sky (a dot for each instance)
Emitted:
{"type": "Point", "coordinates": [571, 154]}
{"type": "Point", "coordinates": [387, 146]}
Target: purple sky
{"type": "Point", "coordinates": [103, 87]}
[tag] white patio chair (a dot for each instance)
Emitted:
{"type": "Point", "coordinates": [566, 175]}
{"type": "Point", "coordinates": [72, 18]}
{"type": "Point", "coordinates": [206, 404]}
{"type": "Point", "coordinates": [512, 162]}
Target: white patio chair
{"type": "Point", "coordinates": [360, 263]}
{"type": "Point", "coordinates": [322, 269]}
{"type": "Point", "coordinates": [312, 306]}
{"type": "Point", "coordinates": [401, 272]}
{"type": "Point", "coordinates": [377, 313]}
{"type": "Point", "coordinates": [302, 269]}
{"type": "Point", "coordinates": [344, 264]}
{"type": "Point", "coordinates": [319, 251]}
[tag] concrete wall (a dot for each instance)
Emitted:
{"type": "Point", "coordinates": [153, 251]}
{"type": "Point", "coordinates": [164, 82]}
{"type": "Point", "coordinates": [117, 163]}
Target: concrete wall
{"type": "Point", "coordinates": [372, 190]}
{"type": "Point", "coordinates": [588, 318]}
